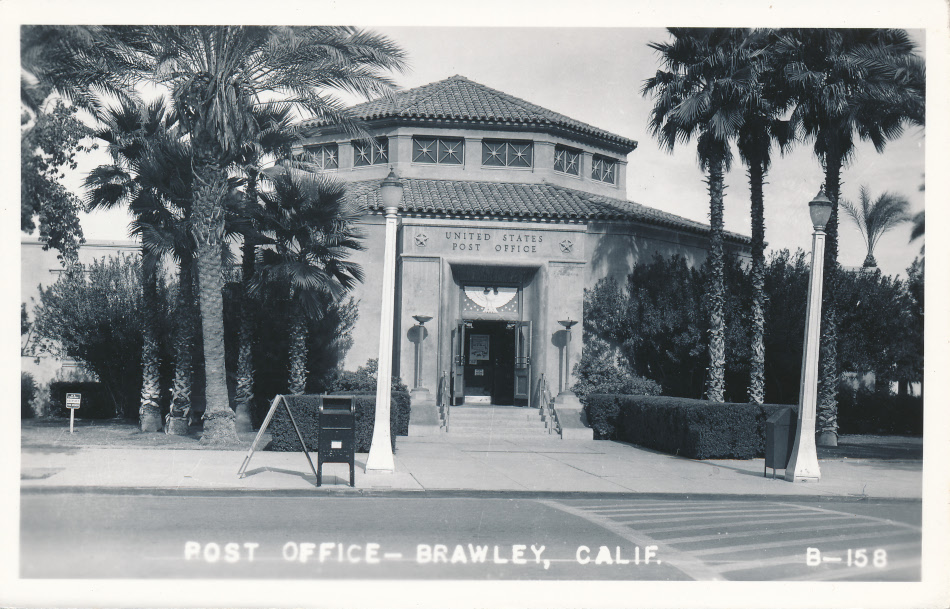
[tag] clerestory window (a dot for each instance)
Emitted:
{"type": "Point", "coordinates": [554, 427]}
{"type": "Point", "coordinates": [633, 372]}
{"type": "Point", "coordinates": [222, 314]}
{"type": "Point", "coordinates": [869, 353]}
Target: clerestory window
{"type": "Point", "coordinates": [506, 153]}
{"type": "Point", "coordinates": [325, 156]}
{"type": "Point", "coordinates": [375, 152]}
{"type": "Point", "coordinates": [604, 170]}
{"type": "Point", "coordinates": [437, 150]}
{"type": "Point", "coordinates": [567, 160]}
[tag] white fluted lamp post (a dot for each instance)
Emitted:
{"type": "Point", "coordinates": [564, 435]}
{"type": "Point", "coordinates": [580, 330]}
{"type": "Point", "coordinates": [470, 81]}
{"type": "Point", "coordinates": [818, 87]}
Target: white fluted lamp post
{"type": "Point", "coordinates": [380, 457]}
{"type": "Point", "coordinates": [803, 464]}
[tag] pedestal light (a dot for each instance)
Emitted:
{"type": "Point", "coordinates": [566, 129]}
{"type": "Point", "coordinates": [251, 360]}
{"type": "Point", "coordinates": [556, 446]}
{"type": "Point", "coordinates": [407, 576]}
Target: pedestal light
{"type": "Point", "coordinates": [803, 464]}
{"type": "Point", "coordinates": [568, 324]}
{"type": "Point", "coordinates": [380, 457]}
{"type": "Point", "coordinates": [421, 319]}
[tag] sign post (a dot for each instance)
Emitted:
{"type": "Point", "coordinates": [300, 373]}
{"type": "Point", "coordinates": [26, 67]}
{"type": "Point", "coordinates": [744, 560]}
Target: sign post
{"type": "Point", "coordinates": [72, 403]}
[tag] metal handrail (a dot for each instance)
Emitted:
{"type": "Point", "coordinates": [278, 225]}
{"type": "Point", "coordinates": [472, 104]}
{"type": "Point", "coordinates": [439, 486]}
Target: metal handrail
{"type": "Point", "coordinates": [545, 400]}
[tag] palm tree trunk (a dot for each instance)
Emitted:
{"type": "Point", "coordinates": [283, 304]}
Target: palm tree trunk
{"type": "Point", "coordinates": [150, 411]}
{"type": "Point", "coordinates": [298, 354]}
{"type": "Point", "coordinates": [244, 395]}
{"type": "Point", "coordinates": [244, 392]}
{"type": "Point", "coordinates": [181, 389]}
{"type": "Point", "coordinates": [757, 372]}
{"type": "Point", "coordinates": [208, 221]}
{"type": "Point", "coordinates": [827, 419]}
{"type": "Point", "coordinates": [715, 380]}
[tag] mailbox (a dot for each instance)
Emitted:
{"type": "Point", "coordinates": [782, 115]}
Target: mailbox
{"type": "Point", "coordinates": [779, 439]}
{"type": "Point", "coordinates": [336, 440]}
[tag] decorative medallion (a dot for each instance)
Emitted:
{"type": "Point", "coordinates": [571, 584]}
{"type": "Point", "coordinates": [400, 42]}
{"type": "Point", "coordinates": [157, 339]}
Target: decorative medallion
{"type": "Point", "coordinates": [567, 246]}
{"type": "Point", "coordinates": [421, 240]}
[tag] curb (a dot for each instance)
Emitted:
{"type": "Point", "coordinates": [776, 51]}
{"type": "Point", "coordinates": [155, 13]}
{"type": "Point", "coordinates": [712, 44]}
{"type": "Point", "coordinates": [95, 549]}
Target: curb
{"type": "Point", "coordinates": [438, 494]}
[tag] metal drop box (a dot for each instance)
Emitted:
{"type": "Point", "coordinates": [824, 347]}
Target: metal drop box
{"type": "Point", "coordinates": [780, 431]}
{"type": "Point", "coordinates": [336, 440]}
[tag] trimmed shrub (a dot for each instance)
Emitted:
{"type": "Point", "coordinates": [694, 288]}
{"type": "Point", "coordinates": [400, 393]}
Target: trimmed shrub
{"type": "Point", "coordinates": [27, 393]}
{"type": "Point", "coordinates": [96, 402]}
{"type": "Point", "coordinates": [867, 412]}
{"type": "Point", "coordinates": [307, 415]}
{"type": "Point", "coordinates": [697, 429]}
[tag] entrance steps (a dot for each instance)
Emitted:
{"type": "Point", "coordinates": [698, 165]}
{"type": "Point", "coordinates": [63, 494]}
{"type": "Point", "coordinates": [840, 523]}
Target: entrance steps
{"type": "Point", "coordinates": [497, 421]}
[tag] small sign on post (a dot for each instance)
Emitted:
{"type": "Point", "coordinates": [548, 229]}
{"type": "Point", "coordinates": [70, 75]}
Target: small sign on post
{"type": "Point", "coordinates": [72, 403]}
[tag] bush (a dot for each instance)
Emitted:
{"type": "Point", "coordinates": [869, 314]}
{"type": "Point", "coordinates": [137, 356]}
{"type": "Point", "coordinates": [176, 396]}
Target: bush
{"type": "Point", "coordinates": [95, 315]}
{"type": "Point", "coordinates": [697, 429]}
{"type": "Point", "coordinates": [96, 402]}
{"type": "Point", "coordinates": [27, 393]}
{"type": "Point", "coordinates": [602, 371]}
{"type": "Point", "coordinates": [307, 416]}
{"type": "Point", "coordinates": [867, 412]}
{"type": "Point", "coordinates": [362, 381]}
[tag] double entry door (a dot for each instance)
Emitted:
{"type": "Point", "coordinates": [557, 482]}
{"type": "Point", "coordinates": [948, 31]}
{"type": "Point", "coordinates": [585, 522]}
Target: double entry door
{"type": "Point", "coordinates": [491, 362]}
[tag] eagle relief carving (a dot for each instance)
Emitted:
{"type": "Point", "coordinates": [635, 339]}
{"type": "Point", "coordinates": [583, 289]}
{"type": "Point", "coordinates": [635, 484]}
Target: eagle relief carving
{"type": "Point", "coordinates": [489, 299]}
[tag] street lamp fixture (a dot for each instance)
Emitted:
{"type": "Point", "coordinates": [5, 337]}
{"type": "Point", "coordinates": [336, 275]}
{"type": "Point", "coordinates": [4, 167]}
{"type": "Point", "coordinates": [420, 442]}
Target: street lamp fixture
{"type": "Point", "coordinates": [390, 191]}
{"type": "Point", "coordinates": [803, 464]}
{"type": "Point", "coordinates": [380, 458]}
{"type": "Point", "coordinates": [820, 210]}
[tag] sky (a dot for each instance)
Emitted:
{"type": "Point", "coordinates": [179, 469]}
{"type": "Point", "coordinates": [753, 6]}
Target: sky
{"type": "Point", "coordinates": [595, 75]}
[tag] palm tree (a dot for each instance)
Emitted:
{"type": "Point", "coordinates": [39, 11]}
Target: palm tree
{"type": "Point", "coordinates": [700, 93]}
{"type": "Point", "coordinates": [875, 218]}
{"type": "Point", "coordinates": [217, 76]}
{"type": "Point", "coordinates": [763, 105]}
{"type": "Point", "coordinates": [312, 229]}
{"type": "Point", "coordinates": [918, 231]}
{"type": "Point", "coordinates": [277, 135]}
{"type": "Point", "coordinates": [133, 180]}
{"type": "Point", "coordinates": [846, 82]}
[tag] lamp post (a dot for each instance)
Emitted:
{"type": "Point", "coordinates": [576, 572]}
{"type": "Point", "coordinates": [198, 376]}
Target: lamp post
{"type": "Point", "coordinates": [803, 464]}
{"type": "Point", "coordinates": [421, 319]}
{"type": "Point", "coordinates": [568, 324]}
{"type": "Point", "coordinates": [380, 458]}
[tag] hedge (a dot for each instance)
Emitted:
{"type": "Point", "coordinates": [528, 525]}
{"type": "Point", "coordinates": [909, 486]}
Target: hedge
{"type": "Point", "coordinates": [27, 393]}
{"type": "Point", "coordinates": [866, 412]}
{"type": "Point", "coordinates": [96, 402]}
{"type": "Point", "coordinates": [697, 429]}
{"type": "Point", "coordinates": [306, 414]}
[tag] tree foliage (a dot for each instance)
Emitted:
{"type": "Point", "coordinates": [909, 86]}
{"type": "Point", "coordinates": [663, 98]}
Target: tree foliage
{"type": "Point", "coordinates": [658, 322]}
{"type": "Point", "coordinates": [95, 314]}
{"type": "Point", "coordinates": [49, 144]}
{"type": "Point", "coordinates": [875, 217]}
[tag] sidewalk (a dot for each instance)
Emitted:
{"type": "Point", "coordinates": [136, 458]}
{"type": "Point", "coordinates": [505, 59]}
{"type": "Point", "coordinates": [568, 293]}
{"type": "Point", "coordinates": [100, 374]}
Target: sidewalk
{"type": "Point", "coordinates": [439, 466]}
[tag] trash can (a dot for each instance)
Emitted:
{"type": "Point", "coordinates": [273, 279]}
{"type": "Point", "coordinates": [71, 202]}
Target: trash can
{"type": "Point", "coordinates": [779, 439]}
{"type": "Point", "coordinates": [336, 440]}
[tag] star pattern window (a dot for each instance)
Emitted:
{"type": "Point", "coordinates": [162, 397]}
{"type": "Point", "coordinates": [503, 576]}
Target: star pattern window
{"type": "Point", "coordinates": [604, 170]}
{"type": "Point", "coordinates": [567, 160]}
{"type": "Point", "coordinates": [325, 156]}
{"type": "Point", "coordinates": [437, 150]}
{"type": "Point", "coordinates": [507, 153]}
{"type": "Point", "coordinates": [375, 152]}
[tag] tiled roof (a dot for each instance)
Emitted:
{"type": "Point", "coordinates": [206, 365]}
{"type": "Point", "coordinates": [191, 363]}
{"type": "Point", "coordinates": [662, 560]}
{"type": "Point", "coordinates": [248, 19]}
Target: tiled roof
{"type": "Point", "coordinates": [505, 200]}
{"type": "Point", "coordinates": [458, 98]}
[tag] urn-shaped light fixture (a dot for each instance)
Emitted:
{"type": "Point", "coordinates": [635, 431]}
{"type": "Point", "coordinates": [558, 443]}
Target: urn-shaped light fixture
{"type": "Point", "coordinates": [820, 209]}
{"type": "Point", "coordinates": [390, 191]}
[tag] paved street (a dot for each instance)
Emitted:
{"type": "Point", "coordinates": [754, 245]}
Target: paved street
{"type": "Point", "coordinates": [92, 535]}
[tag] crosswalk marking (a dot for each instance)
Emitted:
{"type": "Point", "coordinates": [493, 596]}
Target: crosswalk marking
{"type": "Point", "coordinates": [759, 533]}
{"type": "Point", "coordinates": [751, 530]}
{"type": "Point", "coordinates": [747, 521]}
{"type": "Point", "coordinates": [824, 539]}
{"type": "Point", "coordinates": [662, 512]}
